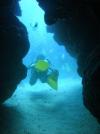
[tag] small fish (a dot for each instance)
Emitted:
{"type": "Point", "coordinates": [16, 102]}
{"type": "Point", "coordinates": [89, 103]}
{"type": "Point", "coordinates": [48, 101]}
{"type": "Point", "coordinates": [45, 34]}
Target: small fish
{"type": "Point", "coordinates": [34, 26]}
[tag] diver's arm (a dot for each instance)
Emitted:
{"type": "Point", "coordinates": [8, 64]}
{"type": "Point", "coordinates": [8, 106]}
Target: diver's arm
{"type": "Point", "coordinates": [30, 66]}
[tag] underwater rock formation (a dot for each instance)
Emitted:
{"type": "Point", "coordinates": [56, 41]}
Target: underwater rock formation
{"type": "Point", "coordinates": [14, 45]}
{"type": "Point", "coordinates": [76, 25]}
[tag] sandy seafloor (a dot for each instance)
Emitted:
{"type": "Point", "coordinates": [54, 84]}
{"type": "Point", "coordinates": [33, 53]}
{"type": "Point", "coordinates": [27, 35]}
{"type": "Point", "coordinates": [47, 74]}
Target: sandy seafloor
{"type": "Point", "coordinates": [40, 110]}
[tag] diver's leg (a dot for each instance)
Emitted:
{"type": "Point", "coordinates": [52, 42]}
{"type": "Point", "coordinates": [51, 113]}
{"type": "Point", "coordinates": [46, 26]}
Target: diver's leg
{"type": "Point", "coordinates": [33, 77]}
{"type": "Point", "coordinates": [43, 77]}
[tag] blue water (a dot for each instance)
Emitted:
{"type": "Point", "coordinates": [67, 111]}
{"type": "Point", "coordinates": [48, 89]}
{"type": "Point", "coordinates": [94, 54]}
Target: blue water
{"type": "Point", "coordinates": [42, 42]}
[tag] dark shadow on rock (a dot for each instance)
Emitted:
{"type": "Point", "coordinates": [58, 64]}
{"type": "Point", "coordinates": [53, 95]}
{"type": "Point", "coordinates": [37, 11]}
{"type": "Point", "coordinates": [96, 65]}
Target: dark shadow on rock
{"type": "Point", "coordinates": [10, 119]}
{"type": "Point", "coordinates": [76, 25]}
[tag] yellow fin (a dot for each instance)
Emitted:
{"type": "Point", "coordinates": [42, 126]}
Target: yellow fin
{"type": "Point", "coordinates": [52, 82]}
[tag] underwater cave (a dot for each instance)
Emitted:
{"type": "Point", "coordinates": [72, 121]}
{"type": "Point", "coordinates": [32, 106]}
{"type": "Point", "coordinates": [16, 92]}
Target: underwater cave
{"type": "Point", "coordinates": [50, 67]}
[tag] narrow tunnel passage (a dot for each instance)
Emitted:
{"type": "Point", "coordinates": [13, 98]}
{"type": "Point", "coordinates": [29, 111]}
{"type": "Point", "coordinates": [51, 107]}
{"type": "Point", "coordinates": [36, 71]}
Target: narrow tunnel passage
{"type": "Point", "coordinates": [39, 109]}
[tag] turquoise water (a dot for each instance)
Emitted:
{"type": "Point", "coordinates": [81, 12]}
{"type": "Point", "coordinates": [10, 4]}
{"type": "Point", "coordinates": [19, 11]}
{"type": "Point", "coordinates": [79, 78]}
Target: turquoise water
{"type": "Point", "coordinates": [42, 42]}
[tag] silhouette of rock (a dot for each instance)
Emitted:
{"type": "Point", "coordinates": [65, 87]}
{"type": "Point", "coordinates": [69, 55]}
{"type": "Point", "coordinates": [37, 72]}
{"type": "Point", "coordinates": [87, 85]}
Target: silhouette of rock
{"type": "Point", "coordinates": [14, 46]}
{"type": "Point", "coordinates": [76, 25]}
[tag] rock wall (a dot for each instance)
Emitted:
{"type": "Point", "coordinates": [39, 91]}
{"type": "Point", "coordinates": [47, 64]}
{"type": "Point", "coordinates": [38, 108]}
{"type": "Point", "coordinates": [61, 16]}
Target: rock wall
{"type": "Point", "coordinates": [76, 25]}
{"type": "Point", "coordinates": [14, 45]}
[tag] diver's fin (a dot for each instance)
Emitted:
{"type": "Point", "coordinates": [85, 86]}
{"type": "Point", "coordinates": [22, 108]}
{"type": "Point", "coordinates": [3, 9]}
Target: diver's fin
{"type": "Point", "coordinates": [53, 81]}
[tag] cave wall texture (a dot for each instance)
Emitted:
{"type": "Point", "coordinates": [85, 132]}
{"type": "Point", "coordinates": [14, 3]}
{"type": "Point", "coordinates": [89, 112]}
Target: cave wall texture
{"type": "Point", "coordinates": [75, 24]}
{"type": "Point", "coordinates": [14, 45]}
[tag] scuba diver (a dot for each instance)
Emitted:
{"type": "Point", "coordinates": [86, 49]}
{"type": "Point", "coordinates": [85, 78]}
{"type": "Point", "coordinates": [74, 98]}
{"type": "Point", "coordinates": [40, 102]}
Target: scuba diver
{"type": "Point", "coordinates": [42, 70]}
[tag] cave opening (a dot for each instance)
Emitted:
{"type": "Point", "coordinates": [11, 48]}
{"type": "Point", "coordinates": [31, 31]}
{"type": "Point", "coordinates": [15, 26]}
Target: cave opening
{"type": "Point", "coordinates": [42, 42]}
{"type": "Point", "coordinates": [38, 109]}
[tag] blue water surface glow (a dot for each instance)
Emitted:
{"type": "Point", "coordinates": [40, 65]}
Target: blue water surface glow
{"type": "Point", "coordinates": [42, 42]}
